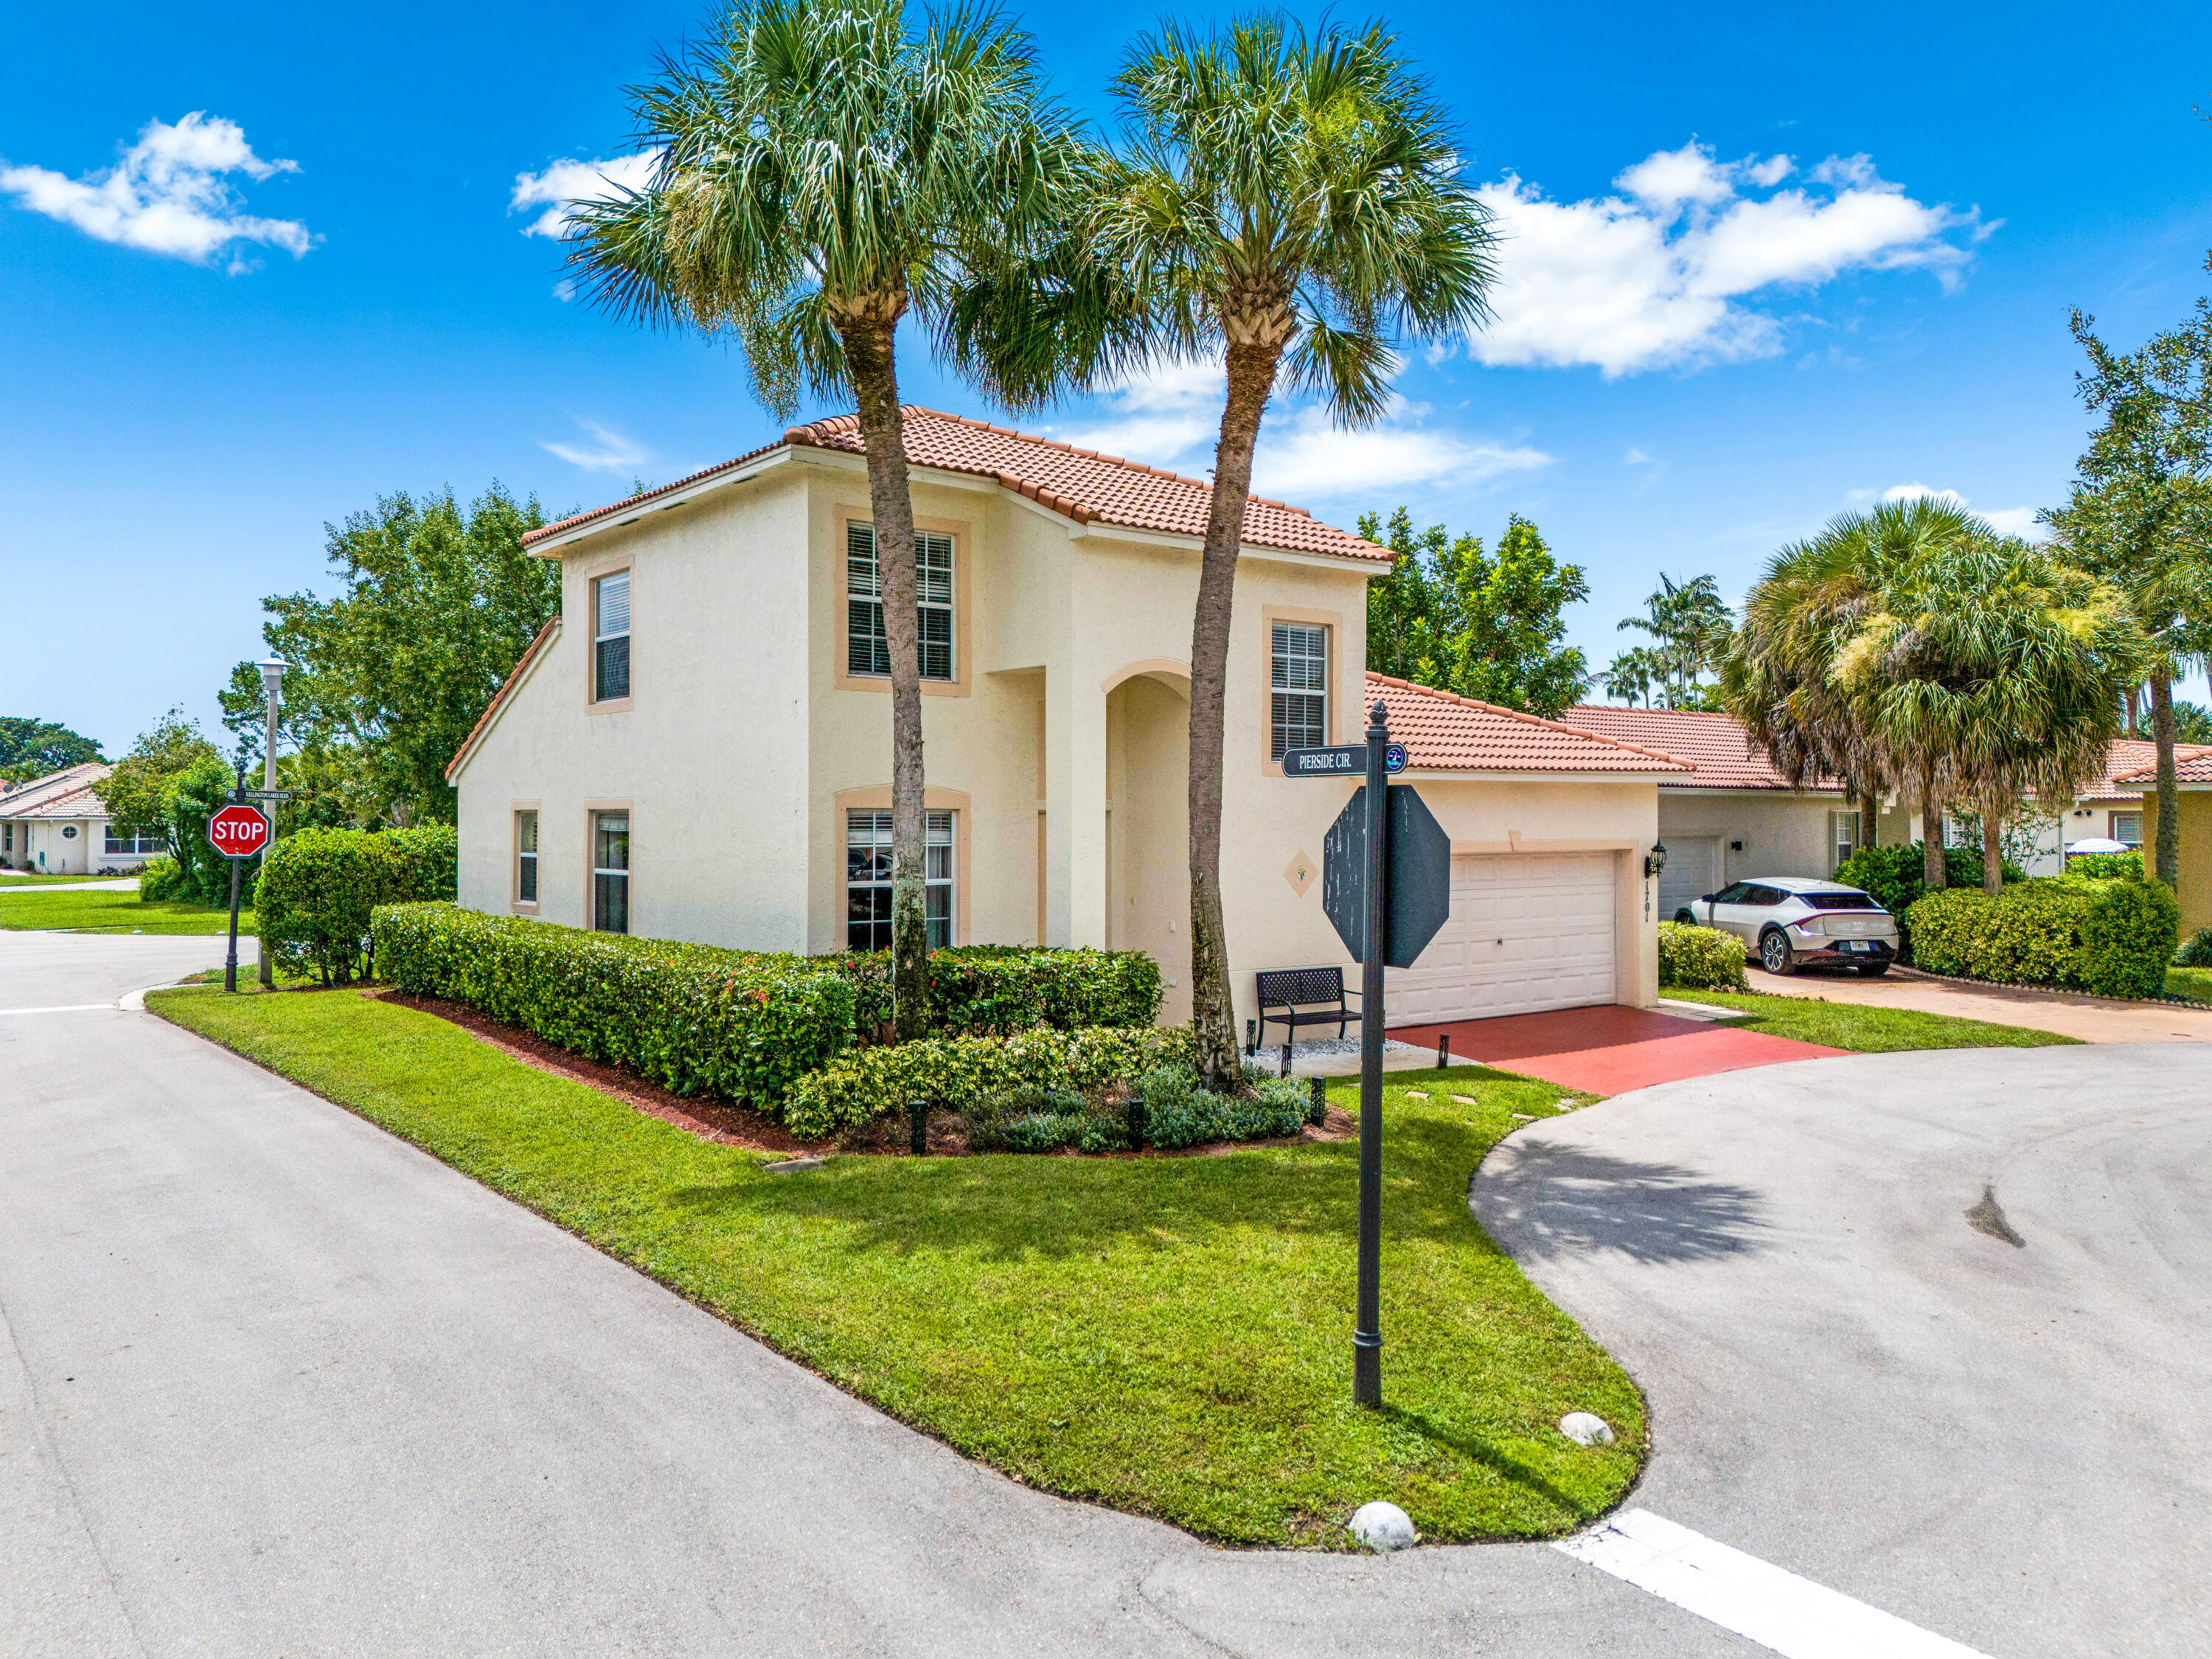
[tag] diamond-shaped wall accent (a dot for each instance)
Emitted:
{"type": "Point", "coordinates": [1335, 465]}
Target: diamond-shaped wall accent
{"type": "Point", "coordinates": [1302, 872]}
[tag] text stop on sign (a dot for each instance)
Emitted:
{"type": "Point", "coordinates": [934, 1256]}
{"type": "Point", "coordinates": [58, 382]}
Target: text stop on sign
{"type": "Point", "coordinates": [237, 832]}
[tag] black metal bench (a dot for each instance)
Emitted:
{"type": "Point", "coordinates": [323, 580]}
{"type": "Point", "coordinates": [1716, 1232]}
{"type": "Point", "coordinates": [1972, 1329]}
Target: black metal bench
{"type": "Point", "coordinates": [1291, 989]}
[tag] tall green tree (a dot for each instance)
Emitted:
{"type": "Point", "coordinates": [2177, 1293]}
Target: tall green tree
{"type": "Point", "coordinates": [1691, 627]}
{"type": "Point", "coordinates": [32, 747]}
{"type": "Point", "coordinates": [824, 173]}
{"type": "Point", "coordinates": [1296, 203]}
{"type": "Point", "coordinates": [1485, 626]}
{"type": "Point", "coordinates": [437, 605]}
{"type": "Point", "coordinates": [2141, 516]}
{"type": "Point", "coordinates": [168, 785]}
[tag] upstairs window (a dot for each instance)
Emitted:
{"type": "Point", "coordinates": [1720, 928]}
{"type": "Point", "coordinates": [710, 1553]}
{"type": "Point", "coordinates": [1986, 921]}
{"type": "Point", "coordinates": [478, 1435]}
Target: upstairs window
{"type": "Point", "coordinates": [867, 646]}
{"type": "Point", "coordinates": [868, 880]}
{"type": "Point", "coordinates": [525, 858]}
{"type": "Point", "coordinates": [610, 638]}
{"type": "Point", "coordinates": [1298, 681]}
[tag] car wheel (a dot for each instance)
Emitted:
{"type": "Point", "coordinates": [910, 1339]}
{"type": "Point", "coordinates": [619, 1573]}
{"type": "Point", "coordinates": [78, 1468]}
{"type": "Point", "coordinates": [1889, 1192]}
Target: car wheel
{"type": "Point", "coordinates": [1873, 970]}
{"type": "Point", "coordinates": [1774, 954]}
{"type": "Point", "coordinates": [1685, 916]}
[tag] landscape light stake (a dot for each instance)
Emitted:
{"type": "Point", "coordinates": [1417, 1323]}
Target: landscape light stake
{"type": "Point", "coordinates": [1367, 1335]}
{"type": "Point", "coordinates": [1317, 1113]}
{"type": "Point", "coordinates": [1444, 1051]}
{"type": "Point", "coordinates": [1251, 1037]}
{"type": "Point", "coordinates": [1287, 1038]}
{"type": "Point", "coordinates": [917, 1126]}
{"type": "Point", "coordinates": [230, 962]}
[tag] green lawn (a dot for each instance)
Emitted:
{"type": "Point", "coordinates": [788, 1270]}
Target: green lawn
{"type": "Point", "coordinates": [1866, 1031]}
{"type": "Point", "coordinates": [116, 910]}
{"type": "Point", "coordinates": [2190, 982]}
{"type": "Point", "coordinates": [13, 883]}
{"type": "Point", "coordinates": [1167, 1335]}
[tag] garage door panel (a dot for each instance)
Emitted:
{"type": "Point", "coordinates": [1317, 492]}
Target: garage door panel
{"type": "Point", "coordinates": [1526, 933]}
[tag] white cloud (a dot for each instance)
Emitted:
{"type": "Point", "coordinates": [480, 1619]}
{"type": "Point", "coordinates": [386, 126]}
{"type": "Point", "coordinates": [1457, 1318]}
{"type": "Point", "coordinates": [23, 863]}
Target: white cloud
{"type": "Point", "coordinates": [609, 451]}
{"type": "Point", "coordinates": [566, 183]}
{"type": "Point", "coordinates": [2006, 520]}
{"type": "Point", "coordinates": [1656, 276]}
{"type": "Point", "coordinates": [170, 194]}
{"type": "Point", "coordinates": [1170, 416]}
{"type": "Point", "coordinates": [1635, 457]}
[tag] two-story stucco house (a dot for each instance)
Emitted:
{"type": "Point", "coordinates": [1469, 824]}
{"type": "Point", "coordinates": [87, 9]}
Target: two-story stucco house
{"type": "Point", "coordinates": [699, 747]}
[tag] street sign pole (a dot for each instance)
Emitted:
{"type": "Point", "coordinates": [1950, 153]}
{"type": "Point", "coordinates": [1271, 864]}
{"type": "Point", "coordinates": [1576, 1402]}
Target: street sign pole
{"type": "Point", "coordinates": [230, 962]}
{"type": "Point", "coordinates": [1367, 1335]}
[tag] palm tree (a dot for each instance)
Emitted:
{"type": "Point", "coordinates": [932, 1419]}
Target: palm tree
{"type": "Point", "coordinates": [823, 175]}
{"type": "Point", "coordinates": [1295, 202]}
{"type": "Point", "coordinates": [2005, 661]}
{"type": "Point", "coordinates": [1691, 628]}
{"type": "Point", "coordinates": [2141, 516]}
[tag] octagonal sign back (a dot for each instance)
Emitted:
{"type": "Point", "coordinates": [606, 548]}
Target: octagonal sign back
{"type": "Point", "coordinates": [1418, 880]}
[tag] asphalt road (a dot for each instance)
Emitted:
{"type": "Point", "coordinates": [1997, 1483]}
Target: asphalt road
{"type": "Point", "coordinates": [2006, 1444]}
{"type": "Point", "coordinates": [273, 1382]}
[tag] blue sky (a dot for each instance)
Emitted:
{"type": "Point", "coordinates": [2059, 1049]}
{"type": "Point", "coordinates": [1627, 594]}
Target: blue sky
{"type": "Point", "coordinates": [1764, 265]}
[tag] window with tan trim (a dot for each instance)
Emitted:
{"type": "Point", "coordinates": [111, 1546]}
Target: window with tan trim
{"type": "Point", "coordinates": [1298, 681]}
{"type": "Point", "coordinates": [611, 637]}
{"type": "Point", "coordinates": [868, 880]}
{"type": "Point", "coordinates": [867, 642]}
{"type": "Point", "coordinates": [525, 858]}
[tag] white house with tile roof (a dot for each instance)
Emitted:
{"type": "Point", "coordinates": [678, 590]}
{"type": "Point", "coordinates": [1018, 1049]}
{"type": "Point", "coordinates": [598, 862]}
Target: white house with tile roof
{"type": "Point", "coordinates": [699, 747]}
{"type": "Point", "coordinates": [56, 826]}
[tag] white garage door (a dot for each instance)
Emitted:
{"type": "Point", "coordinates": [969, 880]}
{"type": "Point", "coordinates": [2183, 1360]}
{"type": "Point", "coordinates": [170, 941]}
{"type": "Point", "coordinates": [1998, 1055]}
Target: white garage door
{"type": "Point", "coordinates": [1526, 933]}
{"type": "Point", "coordinates": [1694, 870]}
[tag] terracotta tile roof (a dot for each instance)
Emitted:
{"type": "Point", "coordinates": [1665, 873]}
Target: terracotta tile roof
{"type": "Point", "coordinates": [2192, 763]}
{"type": "Point", "coordinates": [1444, 732]}
{"type": "Point", "coordinates": [1081, 484]}
{"type": "Point", "coordinates": [483, 720]}
{"type": "Point", "coordinates": [22, 800]}
{"type": "Point", "coordinates": [1714, 744]}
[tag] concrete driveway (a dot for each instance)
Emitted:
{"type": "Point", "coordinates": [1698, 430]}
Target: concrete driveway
{"type": "Point", "coordinates": [2092, 1020]}
{"type": "Point", "coordinates": [1848, 1379]}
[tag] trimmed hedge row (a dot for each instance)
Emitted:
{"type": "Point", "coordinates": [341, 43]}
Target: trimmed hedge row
{"type": "Point", "coordinates": [691, 1017]}
{"type": "Point", "coordinates": [1700, 957]}
{"type": "Point", "coordinates": [975, 990]}
{"type": "Point", "coordinates": [2114, 938]}
{"type": "Point", "coordinates": [318, 889]}
{"type": "Point", "coordinates": [862, 1084]}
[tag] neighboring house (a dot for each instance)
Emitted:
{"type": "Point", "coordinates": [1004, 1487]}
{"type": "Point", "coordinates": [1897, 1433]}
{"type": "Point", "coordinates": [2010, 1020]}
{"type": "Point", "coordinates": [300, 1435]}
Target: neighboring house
{"type": "Point", "coordinates": [2192, 794]}
{"type": "Point", "coordinates": [58, 826]}
{"type": "Point", "coordinates": [1735, 817]}
{"type": "Point", "coordinates": [2109, 808]}
{"type": "Point", "coordinates": [699, 747]}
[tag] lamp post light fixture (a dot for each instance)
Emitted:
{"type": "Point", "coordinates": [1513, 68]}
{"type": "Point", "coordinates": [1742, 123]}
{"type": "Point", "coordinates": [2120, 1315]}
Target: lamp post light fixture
{"type": "Point", "coordinates": [272, 681]}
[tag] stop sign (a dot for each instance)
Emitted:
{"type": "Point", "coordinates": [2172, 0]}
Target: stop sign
{"type": "Point", "coordinates": [237, 832]}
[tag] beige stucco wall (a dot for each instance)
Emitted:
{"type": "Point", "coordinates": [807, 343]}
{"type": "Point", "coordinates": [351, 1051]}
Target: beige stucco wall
{"type": "Point", "coordinates": [2195, 890]}
{"type": "Point", "coordinates": [1060, 743]}
{"type": "Point", "coordinates": [1783, 835]}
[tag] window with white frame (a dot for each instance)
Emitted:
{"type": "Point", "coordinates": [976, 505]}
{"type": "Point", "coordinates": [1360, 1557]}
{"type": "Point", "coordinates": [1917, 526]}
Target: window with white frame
{"type": "Point", "coordinates": [1843, 834]}
{"type": "Point", "coordinates": [525, 858]}
{"type": "Point", "coordinates": [2127, 829]}
{"type": "Point", "coordinates": [1297, 680]}
{"type": "Point", "coordinates": [868, 880]}
{"type": "Point", "coordinates": [133, 846]}
{"type": "Point", "coordinates": [611, 872]}
{"type": "Point", "coordinates": [610, 638]}
{"type": "Point", "coordinates": [867, 646]}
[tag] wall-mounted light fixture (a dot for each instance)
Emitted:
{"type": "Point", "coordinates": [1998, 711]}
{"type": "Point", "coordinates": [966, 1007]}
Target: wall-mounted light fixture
{"type": "Point", "coordinates": [1655, 859]}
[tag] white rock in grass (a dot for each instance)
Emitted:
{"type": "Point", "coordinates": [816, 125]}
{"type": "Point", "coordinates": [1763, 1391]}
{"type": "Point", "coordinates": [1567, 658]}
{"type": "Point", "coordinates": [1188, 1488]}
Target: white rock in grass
{"type": "Point", "coordinates": [1383, 1527]}
{"type": "Point", "coordinates": [1586, 1429]}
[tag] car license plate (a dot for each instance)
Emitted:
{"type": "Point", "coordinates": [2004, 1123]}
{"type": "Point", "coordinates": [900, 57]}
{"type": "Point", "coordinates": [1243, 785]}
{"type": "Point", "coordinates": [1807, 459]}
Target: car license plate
{"type": "Point", "coordinates": [1854, 945]}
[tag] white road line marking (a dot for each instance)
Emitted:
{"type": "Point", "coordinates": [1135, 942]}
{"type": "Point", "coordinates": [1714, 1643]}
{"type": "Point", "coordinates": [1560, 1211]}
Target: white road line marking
{"type": "Point", "coordinates": [1754, 1598]}
{"type": "Point", "coordinates": [66, 1008]}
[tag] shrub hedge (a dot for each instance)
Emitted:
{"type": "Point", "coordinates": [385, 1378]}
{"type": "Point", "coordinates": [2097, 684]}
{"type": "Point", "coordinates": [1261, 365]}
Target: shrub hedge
{"type": "Point", "coordinates": [2108, 867]}
{"type": "Point", "coordinates": [2197, 953]}
{"type": "Point", "coordinates": [691, 1017]}
{"type": "Point", "coordinates": [160, 879]}
{"type": "Point", "coordinates": [317, 888]}
{"type": "Point", "coordinates": [1179, 1114]}
{"type": "Point", "coordinates": [1893, 876]}
{"type": "Point", "coordinates": [980, 990]}
{"type": "Point", "coordinates": [2114, 938]}
{"type": "Point", "coordinates": [1700, 957]}
{"type": "Point", "coordinates": [862, 1084]}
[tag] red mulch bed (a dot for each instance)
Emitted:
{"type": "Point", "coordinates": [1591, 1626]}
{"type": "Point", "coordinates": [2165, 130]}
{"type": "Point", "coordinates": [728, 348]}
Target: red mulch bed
{"type": "Point", "coordinates": [730, 1125]}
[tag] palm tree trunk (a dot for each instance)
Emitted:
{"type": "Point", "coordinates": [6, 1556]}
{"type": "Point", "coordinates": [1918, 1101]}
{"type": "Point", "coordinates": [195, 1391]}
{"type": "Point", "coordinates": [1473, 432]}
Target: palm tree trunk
{"type": "Point", "coordinates": [2169, 804]}
{"type": "Point", "coordinates": [1212, 1006]}
{"type": "Point", "coordinates": [1932, 873]}
{"type": "Point", "coordinates": [868, 339]}
{"type": "Point", "coordinates": [1992, 850]}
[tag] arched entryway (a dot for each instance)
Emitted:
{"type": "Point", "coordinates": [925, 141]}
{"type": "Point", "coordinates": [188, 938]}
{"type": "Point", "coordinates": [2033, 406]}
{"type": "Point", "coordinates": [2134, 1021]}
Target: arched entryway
{"type": "Point", "coordinates": [1148, 821]}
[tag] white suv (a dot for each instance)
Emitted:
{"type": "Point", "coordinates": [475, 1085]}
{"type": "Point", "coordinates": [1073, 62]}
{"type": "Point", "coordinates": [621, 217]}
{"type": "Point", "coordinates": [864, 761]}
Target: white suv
{"type": "Point", "coordinates": [1791, 922]}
